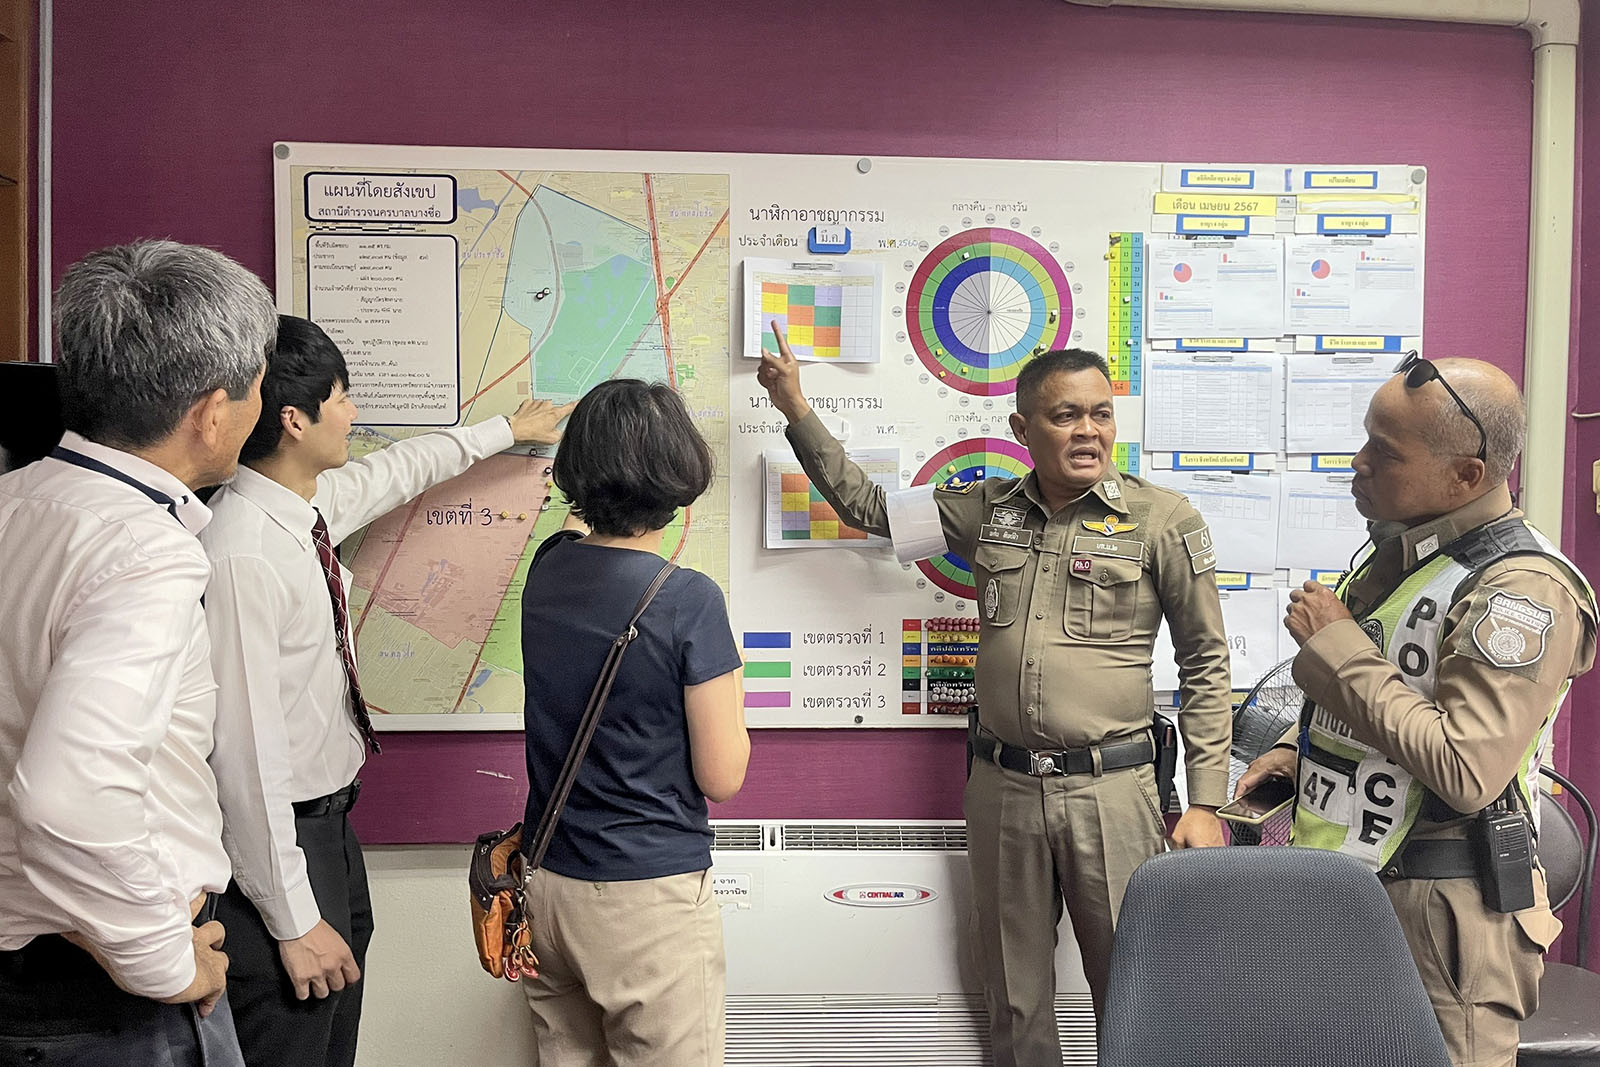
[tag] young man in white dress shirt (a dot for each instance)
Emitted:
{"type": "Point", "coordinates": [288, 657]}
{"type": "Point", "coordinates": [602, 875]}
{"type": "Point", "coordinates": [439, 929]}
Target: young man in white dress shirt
{"type": "Point", "coordinates": [110, 830]}
{"type": "Point", "coordinates": [293, 730]}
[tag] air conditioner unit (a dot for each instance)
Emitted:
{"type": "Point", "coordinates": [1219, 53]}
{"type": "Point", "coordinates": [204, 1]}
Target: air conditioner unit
{"type": "Point", "coordinates": [848, 945]}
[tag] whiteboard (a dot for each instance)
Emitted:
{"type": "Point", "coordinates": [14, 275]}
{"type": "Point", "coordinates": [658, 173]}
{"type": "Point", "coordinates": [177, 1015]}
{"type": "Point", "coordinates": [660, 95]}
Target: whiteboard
{"type": "Point", "coordinates": [574, 266]}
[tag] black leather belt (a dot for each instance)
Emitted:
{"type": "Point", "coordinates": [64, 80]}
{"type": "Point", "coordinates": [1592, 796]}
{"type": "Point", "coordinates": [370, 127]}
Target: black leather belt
{"type": "Point", "coordinates": [332, 804]}
{"type": "Point", "coordinates": [54, 956]}
{"type": "Point", "coordinates": [1440, 858]}
{"type": "Point", "coordinates": [1114, 756]}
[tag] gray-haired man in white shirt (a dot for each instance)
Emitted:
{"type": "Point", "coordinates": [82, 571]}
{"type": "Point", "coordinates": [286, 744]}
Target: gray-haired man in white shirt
{"type": "Point", "coordinates": [110, 831]}
{"type": "Point", "coordinates": [293, 729]}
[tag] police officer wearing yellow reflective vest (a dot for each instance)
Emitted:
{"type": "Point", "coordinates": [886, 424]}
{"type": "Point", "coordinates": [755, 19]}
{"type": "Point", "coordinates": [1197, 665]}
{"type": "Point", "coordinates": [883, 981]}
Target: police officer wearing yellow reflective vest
{"type": "Point", "coordinates": [1434, 676]}
{"type": "Point", "coordinates": [1075, 565]}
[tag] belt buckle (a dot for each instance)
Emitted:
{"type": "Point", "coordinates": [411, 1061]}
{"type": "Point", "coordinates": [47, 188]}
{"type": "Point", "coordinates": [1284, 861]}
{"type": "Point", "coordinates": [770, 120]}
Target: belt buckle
{"type": "Point", "coordinates": [1041, 764]}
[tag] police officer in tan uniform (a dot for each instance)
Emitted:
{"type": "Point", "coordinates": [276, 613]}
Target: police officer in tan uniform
{"type": "Point", "coordinates": [1436, 674]}
{"type": "Point", "coordinates": [1076, 564]}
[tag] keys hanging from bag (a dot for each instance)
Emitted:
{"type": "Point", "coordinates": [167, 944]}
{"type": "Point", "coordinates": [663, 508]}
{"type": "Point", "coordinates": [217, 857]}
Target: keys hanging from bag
{"type": "Point", "coordinates": [499, 869]}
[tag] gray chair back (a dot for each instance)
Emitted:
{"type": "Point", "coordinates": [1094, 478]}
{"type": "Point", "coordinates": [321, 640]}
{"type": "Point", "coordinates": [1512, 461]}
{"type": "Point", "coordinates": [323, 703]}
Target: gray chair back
{"type": "Point", "coordinates": [1272, 957]}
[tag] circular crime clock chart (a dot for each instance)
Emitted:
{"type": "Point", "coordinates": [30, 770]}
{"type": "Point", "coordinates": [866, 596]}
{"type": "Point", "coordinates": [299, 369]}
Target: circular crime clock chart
{"type": "Point", "coordinates": [967, 461]}
{"type": "Point", "coordinates": [981, 304]}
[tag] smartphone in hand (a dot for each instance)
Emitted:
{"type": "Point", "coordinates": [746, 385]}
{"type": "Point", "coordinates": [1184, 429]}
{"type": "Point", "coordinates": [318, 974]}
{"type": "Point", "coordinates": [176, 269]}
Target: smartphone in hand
{"type": "Point", "coordinates": [1258, 805]}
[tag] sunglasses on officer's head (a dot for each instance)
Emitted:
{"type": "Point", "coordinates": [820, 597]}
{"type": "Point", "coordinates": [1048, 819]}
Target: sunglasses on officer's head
{"type": "Point", "coordinates": [1420, 372]}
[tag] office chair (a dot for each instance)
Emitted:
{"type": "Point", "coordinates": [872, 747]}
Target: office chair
{"type": "Point", "coordinates": [1565, 1031]}
{"type": "Point", "coordinates": [1272, 957]}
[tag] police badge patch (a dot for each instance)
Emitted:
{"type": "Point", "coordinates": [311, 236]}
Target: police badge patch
{"type": "Point", "coordinates": [1511, 631]}
{"type": "Point", "coordinates": [1012, 517]}
{"type": "Point", "coordinates": [1373, 628]}
{"type": "Point", "coordinates": [991, 599]}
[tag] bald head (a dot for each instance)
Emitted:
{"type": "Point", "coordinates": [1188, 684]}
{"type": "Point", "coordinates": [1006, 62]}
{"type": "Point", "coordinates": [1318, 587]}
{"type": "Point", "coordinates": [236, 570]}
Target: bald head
{"type": "Point", "coordinates": [1493, 397]}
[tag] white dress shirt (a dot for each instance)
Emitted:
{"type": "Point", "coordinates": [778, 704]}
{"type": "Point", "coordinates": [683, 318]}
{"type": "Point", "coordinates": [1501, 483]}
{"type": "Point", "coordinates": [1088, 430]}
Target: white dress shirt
{"type": "Point", "coordinates": [109, 823]}
{"type": "Point", "coordinates": [284, 729]}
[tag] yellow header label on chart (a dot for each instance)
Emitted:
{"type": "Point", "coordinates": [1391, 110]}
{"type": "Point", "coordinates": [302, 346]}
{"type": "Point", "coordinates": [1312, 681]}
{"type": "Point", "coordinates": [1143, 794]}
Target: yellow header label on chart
{"type": "Point", "coordinates": [1215, 204]}
{"type": "Point", "coordinates": [1356, 223]}
{"type": "Point", "coordinates": [1354, 344]}
{"type": "Point", "coordinates": [1236, 224]}
{"type": "Point", "coordinates": [1212, 459]}
{"type": "Point", "coordinates": [1241, 179]}
{"type": "Point", "coordinates": [1333, 179]}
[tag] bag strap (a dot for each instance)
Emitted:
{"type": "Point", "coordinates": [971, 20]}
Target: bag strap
{"type": "Point", "coordinates": [590, 720]}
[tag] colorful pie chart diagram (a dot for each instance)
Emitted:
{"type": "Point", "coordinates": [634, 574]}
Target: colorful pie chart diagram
{"type": "Point", "coordinates": [983, 303]}
{"type": "Point", "coordinates": [1182, 271]}
{"type": "Point", "coordinates": [962, 463]}
{"type": "Point", "coordinates": [1320, 268]}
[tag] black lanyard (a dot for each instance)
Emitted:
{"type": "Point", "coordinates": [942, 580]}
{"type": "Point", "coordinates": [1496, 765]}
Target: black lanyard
{"type": "Point", "coordinates": [78, 459]}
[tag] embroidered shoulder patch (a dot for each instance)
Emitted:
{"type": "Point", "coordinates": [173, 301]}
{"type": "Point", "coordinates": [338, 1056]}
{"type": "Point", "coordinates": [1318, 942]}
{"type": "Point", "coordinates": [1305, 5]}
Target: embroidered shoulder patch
{"type": "Point", "coordinates": [1198, 542]}
{"type": "Point", "coordinates": [954, 486]}
{"type": "Point", "coordinates": [1510, 631]}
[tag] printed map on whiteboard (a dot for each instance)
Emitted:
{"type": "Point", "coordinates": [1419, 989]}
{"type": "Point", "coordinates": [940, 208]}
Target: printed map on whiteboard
{"type": "Point", "coordinates": [563, 280]}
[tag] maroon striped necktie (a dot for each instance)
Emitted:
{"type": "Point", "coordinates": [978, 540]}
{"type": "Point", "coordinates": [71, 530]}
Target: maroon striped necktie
{"type": "Point", "coordinates": [341, 627]}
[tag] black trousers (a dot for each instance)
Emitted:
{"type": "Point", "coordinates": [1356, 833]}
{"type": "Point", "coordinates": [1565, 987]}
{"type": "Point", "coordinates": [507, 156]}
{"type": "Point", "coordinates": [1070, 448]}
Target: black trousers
{"type": "Point", "coordinates": [275, 1029]}
{"type": "Point", "coordinates": [59, 1008]}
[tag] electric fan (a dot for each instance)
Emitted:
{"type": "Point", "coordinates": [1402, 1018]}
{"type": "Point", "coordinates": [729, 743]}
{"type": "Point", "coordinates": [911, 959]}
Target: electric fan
{"type": "Point", "coordinates": [1265, 714]}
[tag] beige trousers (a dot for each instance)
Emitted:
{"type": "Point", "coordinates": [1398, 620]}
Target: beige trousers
{"type": "Point", "coordinates": [1032, 843]}
{"type": "Point", "coordinates": [630, 973]}
{"type": "Point", "coordinates": [1481, 967]}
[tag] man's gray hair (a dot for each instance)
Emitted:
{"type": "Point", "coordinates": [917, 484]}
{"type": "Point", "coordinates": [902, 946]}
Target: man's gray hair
{"type": "Point", "coordinates": [1504, 415]}
{"type": "Point", "coordinates": [146, 329]}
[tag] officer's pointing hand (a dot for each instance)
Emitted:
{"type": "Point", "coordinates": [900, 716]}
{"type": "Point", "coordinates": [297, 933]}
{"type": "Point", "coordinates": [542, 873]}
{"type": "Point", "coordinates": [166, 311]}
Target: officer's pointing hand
{"type": "Point", "coordinates": [1312, 607]}
{"type": "Point", "coordinates": [780, 375]}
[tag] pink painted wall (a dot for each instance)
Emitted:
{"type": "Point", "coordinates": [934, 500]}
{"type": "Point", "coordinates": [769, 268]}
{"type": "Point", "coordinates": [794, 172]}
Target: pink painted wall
{"type": "Point", "coordinates": [164, 113]}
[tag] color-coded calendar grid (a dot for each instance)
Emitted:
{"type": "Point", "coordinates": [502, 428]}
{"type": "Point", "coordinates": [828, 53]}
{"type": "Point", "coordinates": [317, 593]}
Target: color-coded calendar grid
{"type": "Point", "coordinates": [812, 316]}
{"type": "Point", "coordinates": [805, 516]}
{"type": "Point", "coordinates": [1125, 313]}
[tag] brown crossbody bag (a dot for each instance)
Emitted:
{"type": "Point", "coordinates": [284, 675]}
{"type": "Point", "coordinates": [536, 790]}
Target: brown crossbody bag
{"type": "Point", "coordinates": [498, 871]}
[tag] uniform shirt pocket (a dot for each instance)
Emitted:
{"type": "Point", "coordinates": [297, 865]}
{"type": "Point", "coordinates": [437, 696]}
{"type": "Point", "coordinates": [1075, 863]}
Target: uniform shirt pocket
{"type": "Point", "coordinates": [1000, 570]}
{"type": "Point", "coordinates": [1103, 599]}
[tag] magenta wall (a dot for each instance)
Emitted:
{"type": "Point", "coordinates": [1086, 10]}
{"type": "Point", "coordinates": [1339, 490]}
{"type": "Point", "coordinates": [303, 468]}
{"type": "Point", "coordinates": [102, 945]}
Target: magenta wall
{"type": "Point", "coordinates": [164, 113]}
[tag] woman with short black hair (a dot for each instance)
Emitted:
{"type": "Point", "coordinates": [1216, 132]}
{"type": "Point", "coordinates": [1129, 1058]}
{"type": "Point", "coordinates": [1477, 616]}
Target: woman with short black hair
{"type": "Point", "coordinates": [628, 935]}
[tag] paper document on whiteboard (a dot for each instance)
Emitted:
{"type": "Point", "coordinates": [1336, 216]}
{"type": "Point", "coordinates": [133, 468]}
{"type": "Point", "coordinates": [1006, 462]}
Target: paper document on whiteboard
{"type": "Point", "coordinates": [1251, 618]}
{"type": "Point", "coordinates": [1213, 402]}
{"type": "Point", "coordinates": [1327, 400]}
{"type": "Point", "coordinates": [1354, 285]}
{"type": "Point", "coordinates": [1215, 288]}
{"type": "Point", "coordinates": [1241, 509]}
{"type": "Point", "coordinates": [1321, 527]}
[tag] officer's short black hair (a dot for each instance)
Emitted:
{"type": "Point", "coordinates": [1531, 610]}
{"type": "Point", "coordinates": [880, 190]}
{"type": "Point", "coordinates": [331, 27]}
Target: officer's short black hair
{"type": "Point", "coordinates": [1060, 361]}
{"type": "Point", "coordinates": [631, 457]}
{"type": "Point", "coordinates": [301, 372]}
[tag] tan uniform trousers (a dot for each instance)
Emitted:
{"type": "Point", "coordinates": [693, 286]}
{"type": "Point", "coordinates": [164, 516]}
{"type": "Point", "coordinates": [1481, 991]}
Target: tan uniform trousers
{"type": "Point", "coordinates": [1032, 843]}
{"type": "Point", "coordinates": [1480, 967]}
{"type": "Point", "coordinates": [631, 974]}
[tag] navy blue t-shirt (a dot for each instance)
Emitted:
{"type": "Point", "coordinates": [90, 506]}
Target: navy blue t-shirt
{"type": "Point", "coordinates": [635, 810]}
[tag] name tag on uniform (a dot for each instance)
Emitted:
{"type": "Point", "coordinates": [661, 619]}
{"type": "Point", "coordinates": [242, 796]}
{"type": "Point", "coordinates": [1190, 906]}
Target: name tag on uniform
{"type": "Point", "coordinates": [1005, 535]}
{"type": "Point", "coordinates": [1109, 546]}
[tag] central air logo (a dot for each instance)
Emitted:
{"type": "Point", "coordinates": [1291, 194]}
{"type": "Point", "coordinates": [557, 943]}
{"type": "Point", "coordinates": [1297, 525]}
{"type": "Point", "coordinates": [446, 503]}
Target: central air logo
{"type": "Point", "coordinates": [881, 895]}
{"type": "Point", "coordinates": [1111, 524]}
